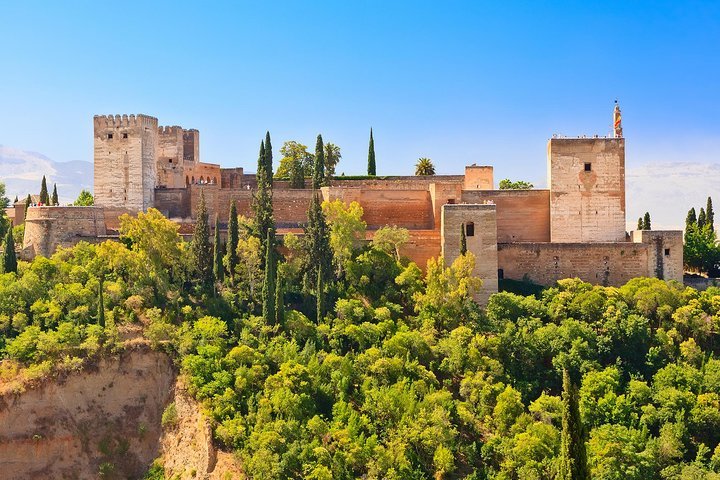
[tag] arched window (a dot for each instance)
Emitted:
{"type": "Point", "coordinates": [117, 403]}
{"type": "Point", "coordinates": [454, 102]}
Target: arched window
{"type": "Point", "coordinates": [214, 180]}
{"type": "Point", "coordinates": [470, 229]}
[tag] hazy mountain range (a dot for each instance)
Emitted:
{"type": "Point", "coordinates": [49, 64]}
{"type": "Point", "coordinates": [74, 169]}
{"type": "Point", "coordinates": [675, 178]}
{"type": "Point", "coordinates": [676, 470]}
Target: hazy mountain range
{"type": "Point", "coordinates": [667, 190]}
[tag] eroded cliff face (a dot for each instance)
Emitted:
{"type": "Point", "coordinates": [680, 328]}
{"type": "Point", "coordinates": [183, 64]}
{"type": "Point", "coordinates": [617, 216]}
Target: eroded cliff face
{"type": "Point", "coordinates": [104, 421]}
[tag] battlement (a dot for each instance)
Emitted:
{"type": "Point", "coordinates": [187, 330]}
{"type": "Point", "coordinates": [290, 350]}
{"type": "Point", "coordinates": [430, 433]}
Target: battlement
{"type": "Point", "coordinates": [124, 121]}
{"type": "Point", "coordinates": [170, 130]}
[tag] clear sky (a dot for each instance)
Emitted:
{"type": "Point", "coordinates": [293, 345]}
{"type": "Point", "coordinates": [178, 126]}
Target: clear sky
{"type": "Point", "coordinates": [456, 81]}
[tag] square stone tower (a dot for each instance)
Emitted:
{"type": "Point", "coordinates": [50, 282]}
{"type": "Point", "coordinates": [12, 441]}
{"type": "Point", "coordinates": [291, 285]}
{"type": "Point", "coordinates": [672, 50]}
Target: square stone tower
{"type": "Point", "coordinates": [586, 177]}
{"type": "Point", "coordinates": [170, 157]}
{"type": "Point", "coordinates": [125, 161]}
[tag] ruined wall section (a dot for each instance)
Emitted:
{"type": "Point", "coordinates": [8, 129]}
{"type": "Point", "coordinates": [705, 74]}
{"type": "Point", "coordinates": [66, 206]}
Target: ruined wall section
{"type": "Point", "coordinates": [665, 252]}
{"type": "Point", "coordinates": [481, 240]}
{"type": "Point", "coordinates": [170, 158]}
{"type": "Point", "coordinates": [522, 215]}
{"type": "Point", "coordinates": [609, 264]}
{"type": "Point", "coordinates": [587, 189]}
{"type": "Point", "coordinates": [46, 228]}
{"type": "Point", "coordinates": [125, 170]}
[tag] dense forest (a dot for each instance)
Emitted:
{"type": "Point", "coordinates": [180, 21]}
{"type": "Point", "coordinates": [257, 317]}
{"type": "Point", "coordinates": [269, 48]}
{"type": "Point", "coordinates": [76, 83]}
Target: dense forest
{"type": "Point", "coordinates": [322, 356]}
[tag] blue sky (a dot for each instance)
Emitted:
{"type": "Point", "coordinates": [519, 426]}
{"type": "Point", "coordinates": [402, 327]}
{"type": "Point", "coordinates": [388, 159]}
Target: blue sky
{"type": "Point", "coordinates": [456, 81]}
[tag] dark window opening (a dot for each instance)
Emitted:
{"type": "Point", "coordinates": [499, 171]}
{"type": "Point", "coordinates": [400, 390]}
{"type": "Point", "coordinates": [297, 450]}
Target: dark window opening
{"type": "Point", "coordinates": [110, 136]}
{"type": "Point", "coordinates": [451, 201]}
{"type": "Point", "coordinates": [588, 167]}
{"type": "Point", "coordinates": [170, 160]}
{"type": "Point", "coordinates": [470, 229]}
{"type": "Point", "coordinates": [501, 274]}
{"type": "Point", "coordinates": [124, 135]}
{"type": "Point", "coordinates": [667, 252]}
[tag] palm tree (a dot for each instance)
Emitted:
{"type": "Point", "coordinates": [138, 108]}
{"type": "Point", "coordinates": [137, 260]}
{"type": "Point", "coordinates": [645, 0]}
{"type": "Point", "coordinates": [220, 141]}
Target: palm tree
{"type": "Point", "coordinates": [424, 166]}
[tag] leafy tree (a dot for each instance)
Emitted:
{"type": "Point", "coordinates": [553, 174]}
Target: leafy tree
{"type": "Point", "coordinates": [691, 218]}
{"type": "Point", "coordinates": [279, 299]}
{"type": "Point", "coordinates": [710, 215]}
{"type": "Point", "coordinates": [201, 249]}
{"type": "Point", "coordinates": [463, 240]}
{"type": "Point", "coordinates": [44, 197]}
{"type": "Point", "coordinates": [646, 221]}
{"type": "Point", "coordinates": [269, 284]}
{"type": "Point", "coordinates": [371, 170]}
{"type": "Point", "coordinates": [28, 202]}
{"type": "Point", "coordinates": [84, 199]}
{"type": "Point", "coordinates": [319, 255]}
{"type": "Point", "coordinates": [101, 304]}
{"type": "Point", "coordinates": [319, 164]}
{"type": "Point", "coordinates": [507, 184]}
{"type": "Point", "coordinates": [231, 256]}
{"type": "Point", "coordinates": [573, 457]}
{"type": "Point", "coordinates": [9, 257]}
{"type": "Point", "coordinates": [347, 229]}
{"type": "Point", "coordinates": [424, 166]}
{"type": "Point", "coordinates": [4, 201]}
{"type": "Point", "coordinates": [54, 200]}
{"type": "Point", "coordinates": [218, 270]}
{"type": "Point", "coordinates": [268, 159]}
{"type": "Point", "coordinates": [155, 237]}
{"type": "Point", "coordinates": [320, 296]}
{"type": "Point", "coordinates": [262, 205]}
{"type": "Point", "coordinates": [390, 239]}
{"type": "Point", "coordinates": [332, 158]}
{"type": "Point", "coordinates": [702, 219]}
{"type": "Point", "coordinates": [640, 224]}
{"type": "Point", "coordinates": [295, 157]}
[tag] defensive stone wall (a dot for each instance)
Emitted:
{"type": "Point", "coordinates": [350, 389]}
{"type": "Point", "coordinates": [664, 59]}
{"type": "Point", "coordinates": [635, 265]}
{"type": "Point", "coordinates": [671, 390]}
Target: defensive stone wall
{"type": "Point", "coordinates": [587, 189]}
{"type": "Point", "coordinates": [46, 228]}
{"type": "Point", "coordinates": [665, 254]}
{"type": "Point", "coordinates": [231, 177]}
{"type": "Point", "coordinates": [478, 177]}
{"type": "Point", "coordinates": [610, 264]}
{"type": "Point", "coordinates": [480, 227]}
{"type": "Point", "coordinates": [522, 215]}
{"type": "Point", "coordinates": [173, 202]}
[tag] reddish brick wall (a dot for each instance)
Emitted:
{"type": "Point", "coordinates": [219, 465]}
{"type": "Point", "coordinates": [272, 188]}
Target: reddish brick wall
{"type": "Point", "coordinates": [522, 215]}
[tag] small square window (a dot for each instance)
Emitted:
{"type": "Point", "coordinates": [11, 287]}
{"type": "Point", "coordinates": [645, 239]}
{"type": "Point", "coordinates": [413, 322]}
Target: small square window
{"type": "Point", "coordinates": [451, 201]}
{"type": "Point", "coordinates": [667, 252]}
{"type": "Point", "coordinates": [124, 135]}
{"type": "Point", "coordinates": [588, 167]}
{"type": "Point", "coordinates": [470, 229]}
{"type": "Point", "coordinates": [110, 135]}
{"type": "Point", "coordinates": [170, 160]}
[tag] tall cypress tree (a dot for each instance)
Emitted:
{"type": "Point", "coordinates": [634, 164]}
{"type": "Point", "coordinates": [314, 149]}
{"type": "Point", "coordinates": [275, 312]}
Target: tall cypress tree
{"type": "Point", "coordinates": [9, 257]}
{"type": "Point", "coordinates": [297, 174]}
{"type": "Point", "coordinates": [319, 255]}
{"type": "Point", "coordinates": [319, 165]}
{"type": "Point", "coordinates": [28, 202]}
{"type": "Point", "coordinates": [646, 221]}
{"type": "Point", "coordinates": [268, 159]}
{"type": "Point", "coordinates": [320, 296]}
{"type": "Point", "coordinates": [262, 205]}
{"type": "Point", "coordinates": [54, 199]}
{"type": "Point", "coordinates": [371, 155]}
{"type": "Point", "coordinates": [218, 270]}
{"type": "Point", "coordinates": [710, 215]}
{"type": "Point", "coordinates": [702, 219]}
{"type": "Point", "coordinates": [269, 287]}
{"type": "Point", "coordinates": [691, 218]}
{"type": "Point", "coordinates": [279, 299]}
{"type": "Point", "coordinates": [201, 248]}
{"type": "Point", "coordinates": [44, 197]}
{"type": "Point", "coordinates": [231, 258]}
{"type": "Point", "coordinates": [573, 456]}
{"type": "Point", "coordinates": [641, 224]}
{"type": "Point", "coordinates": [101, 304]}
{"type": "Point", "coordinates": [463, 240]}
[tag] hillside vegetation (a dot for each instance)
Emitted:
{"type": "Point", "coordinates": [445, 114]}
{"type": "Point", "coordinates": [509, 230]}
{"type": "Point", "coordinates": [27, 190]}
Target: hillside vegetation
{"type": "Point", "coordinates": [362, 366]}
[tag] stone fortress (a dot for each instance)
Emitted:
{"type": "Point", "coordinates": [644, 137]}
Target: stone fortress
{"type": "Point", "coordinates": [574, 228]}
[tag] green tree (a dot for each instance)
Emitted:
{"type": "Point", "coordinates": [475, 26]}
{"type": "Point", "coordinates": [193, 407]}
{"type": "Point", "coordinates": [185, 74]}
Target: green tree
{"type": "Point", "coordinates": [101, 304]}
{"type": "Point", "coordinates": [84, 199]}
{"type": "Point", "coordinates": [269, 283]}
{"type": "Point", "coordinates": [268, 159]}
{"type": "Point", "coordinates": [391, 239]}
{"type": "Point", "coordinates": [28, 202]}
{"type": "Point", "coordinates": [262, 205]}
{"type": "Point", "coordinates": [347, 229]}
{"type": "Point", "coordinates": [201, 249]}
{"type": "Point", "coordinates": [44, 197]}
{"type": "Point", "coordinates": [332, 158]}
{"type": "Point", "coordinates": [231, 256]}
{"type": "Point", "coordinates": [295, 156]}
{"type": "Point", "coordinates": [463, 240]}
{"type": "Point", "coordinates": [279, 299]}
{"type": "Point", "coordinates": [371, 170]}
{"type": "Point", "coordinates": [9, 257]}
{"type": "Point", "coordinates": [507, 184]}
{"type": "Point", "coordinates": [318, 178]}
{"type": "Point", "coordinates": [424, 166]}
{"type": "Point", "coordinates": [319, 254]}
{"type": "Point", "coordinates": [573, 456]}
{"type": "Point", "coordinates": [710, 215]}
{"type": "Point", "coordinates": [691, 218]}
{"type": "Point", "coordinates": [702, 219]}
{"type": "Point", "coordinates": [646, 221]}
{"type": "Point", "coordinates": [4, 201]}
{"type": "Point", "coordinates": [320, 296]}
{"type": "Point", "coordinates": [54, 200]}
{"type": "Point", "coordinates": [640, 224]}
{"type": "Point", "coordinates": [218, 270]}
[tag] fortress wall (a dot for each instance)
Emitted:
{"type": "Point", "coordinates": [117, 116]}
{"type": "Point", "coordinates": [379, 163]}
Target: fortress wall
{"type": "Point", "coordinates": [423, 245]}
{"type": "Point", "coordinates": [173, 202]}
{"type": "Point", "coordinates": [209, 172]}
{"type": "Point", "coordinates": [522, 215]}
{"type": "Point", "coordinates": [46, 228]}
{"type": "Point", "coordinates": [170, 157]}
{"type": "Point", "coordinates": [405, 208]}
{"type": "Point", "coordinates": [478, 177]}
{"type": "Point", "coordinates": [112, 217]}
{"type": "Point", "coordinates": [398, 182]}
{"type": "Point", "coordinates": [598, 263]}
{"type": "Point", "coordinates": [665, 252]}
{"type": "Point", "coordinates": [191, 145]}
{"type": "Point", "coordinates": [441, 194]}
{"type": "Point", "coordinates": [231, 177]}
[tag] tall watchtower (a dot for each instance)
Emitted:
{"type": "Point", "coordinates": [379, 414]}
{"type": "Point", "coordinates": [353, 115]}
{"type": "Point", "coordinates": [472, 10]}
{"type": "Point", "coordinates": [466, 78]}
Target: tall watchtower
{"type": "Point", "coordinates": [125, 161]}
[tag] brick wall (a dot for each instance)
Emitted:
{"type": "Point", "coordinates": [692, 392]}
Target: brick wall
{"type": "Point", "coordinates": [522, 215]}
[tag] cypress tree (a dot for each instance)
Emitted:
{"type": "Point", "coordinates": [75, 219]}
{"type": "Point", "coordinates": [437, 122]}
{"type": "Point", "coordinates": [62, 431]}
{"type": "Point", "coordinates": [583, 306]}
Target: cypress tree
{"type": "Point", "coordinates": [646, 221]}
{"type": "Point", "coordinates": [232, 241]}
{"type": "Point", "coordinates": [319, 255]}
{"type": "Point", "coordinates": [463, 240]}
{"type": "Point", "coordinates": [320, 296]}
{"type": "Point", "coordinates": [44, 197]}
{"type": "Point", "coordinates": [28, 202]}
{"type": "Point", "coordinates": [710, 215]}
{"type": "Point", "coordinates": [16, 200]}
{"type": "Point", "coordinates": [269, 287]}
{"type": "Point", "coordinates": [297, 175]}
{"type": "Point", "coordinates": [319, 165]}
{"type": "Point", "coordinates": [702, 219]}
{"type": "Point", "coordinates": [54, 199]}
{"type": "Point", "coordinates": [101, 305]}
{"type": "Point", "coordinates": [268, 159]}
{"type": "Point", "coordinates": [641, 224]}
{"type": "Point", "coordinates": [691, 218]}
{"type": "Point", "coordinates": [9, 257]}
{"type": "Point", "coordinates": [573, 456]}
{"type": "Point", "coordinates": [262, 205]}
{"type": "Point", "coordinates": [201, 248]}
{"type": "Point", "coordinates": [261, 175]}
{"type": "Point", "coordinates": [371, 155]}
{"type": "Point", "coordinates": [218, 270]}
{"type": "Point", "coordinates": [279, 299]}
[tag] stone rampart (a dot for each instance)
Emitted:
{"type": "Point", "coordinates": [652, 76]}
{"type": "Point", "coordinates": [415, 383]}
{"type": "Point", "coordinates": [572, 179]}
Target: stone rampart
{"type": "Point", "coordinates": [522, 215]}
{"type": "Point", "coordinates": [46, 228]}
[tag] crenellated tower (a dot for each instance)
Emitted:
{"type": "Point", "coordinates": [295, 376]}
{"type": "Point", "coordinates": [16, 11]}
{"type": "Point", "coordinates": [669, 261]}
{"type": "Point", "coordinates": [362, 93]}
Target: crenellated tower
{"type": "Point", "coordinates": [125, 156]}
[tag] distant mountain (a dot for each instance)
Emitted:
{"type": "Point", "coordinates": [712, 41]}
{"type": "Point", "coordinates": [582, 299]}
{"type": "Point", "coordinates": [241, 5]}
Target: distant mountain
{"type": "Point", "coordinates": [22, 172]}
